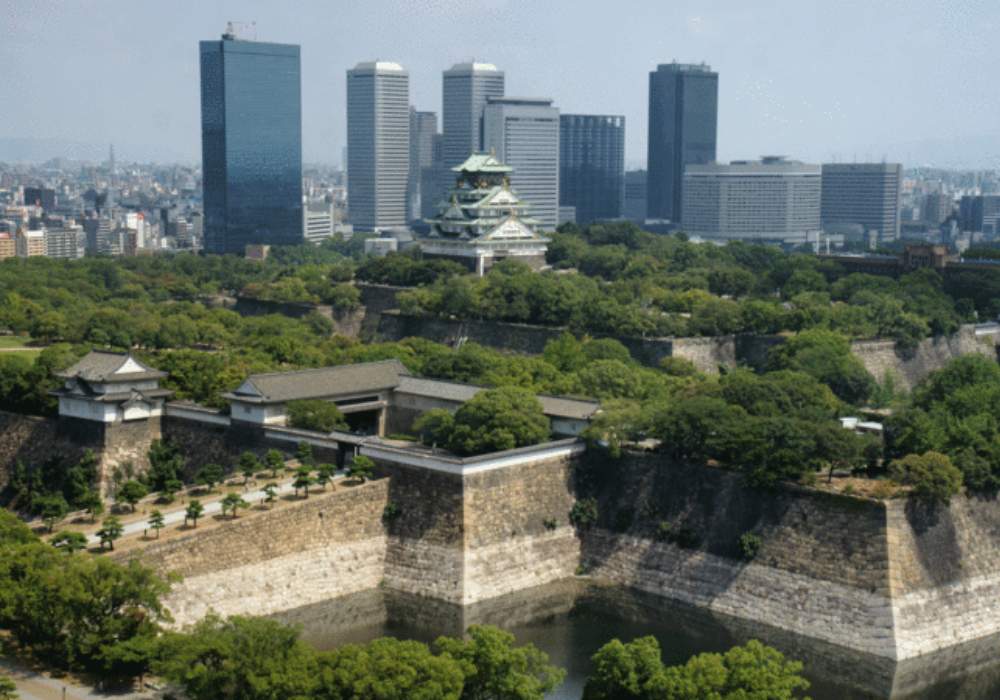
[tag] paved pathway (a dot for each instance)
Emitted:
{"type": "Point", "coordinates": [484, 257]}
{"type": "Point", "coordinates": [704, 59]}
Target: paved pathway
{"type": "Point", "coordinates": [35, 686]}
{"type": "Point", "coordinates": [211, 507]}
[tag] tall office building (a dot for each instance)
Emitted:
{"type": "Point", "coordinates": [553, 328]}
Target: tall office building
{"type": "Point", "coordinates": [378, 145]}
{"type": "Point", "coordinates": [975, 212]}
{"type": "Point", "coordinates": [464, 91]}
{"type": "Point", "coordinates": [43, 197]}
{"type": "Point", "coordinates": [423, 134]}
{"type": "Point", "coordinates": [935, 208]}
{"type": "Point", "coordinates": [592, 165]}
{"type": "Point", "coordinates": [683, 119]}
{"type": "Point", "coordinates": [635, 196]}
{"type": "Point", "coordinates": [862, 193]}
{"type": "Point", "coordinates": [773, 200]}
{"type": "Point", "coordinates": [251, 143]}
{"type": "Point", "coordinates": [524, 133]}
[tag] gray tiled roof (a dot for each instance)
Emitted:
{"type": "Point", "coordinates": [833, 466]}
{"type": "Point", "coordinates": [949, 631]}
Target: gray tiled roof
{"type": "Point", "coordinates": [552, 406]}
{"type": "Point", "coordinates": [101, 366]}
{"type": "Point", "coordinates": [323, 382]}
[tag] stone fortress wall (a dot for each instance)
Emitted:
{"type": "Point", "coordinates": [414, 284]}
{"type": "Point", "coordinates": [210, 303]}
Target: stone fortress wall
{"type": "Point", "coordinates": [880, 357]}
{"type": "Point", "coordinates": [881, 578]}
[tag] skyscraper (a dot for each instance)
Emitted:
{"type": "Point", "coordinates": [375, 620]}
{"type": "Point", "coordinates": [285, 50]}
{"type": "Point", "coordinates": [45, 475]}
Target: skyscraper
{"type": "Point", "coordinates": [464, 90]}
{"type": "Point", "coordinates": [423, 132]}
{"type": "Point", "coordinates": [863, 193]}
{"type": "Point", "coordinates": [592, 165]}
{"type": "Point", "coordinates": [683, 118]}
{"type": "Point", "coordinates": [524, 133]}
{"type": "Point", "coordinates": [251, 143]}
{"type": "Point", "coordinates": [378, 145]}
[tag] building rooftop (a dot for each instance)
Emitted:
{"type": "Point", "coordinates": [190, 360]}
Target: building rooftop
{"type": "Point", "coordinates": [557, 406]}
{"type": "Point", "coordinates": [380, 66]}
{"type": "Point", "coordinates": [482, 163]}
{"type": "Point", "coordinates": [342, 380]}
{"type": "Point", "coordinates": [508, 100]}
{"type": "Point", "coordinates": [473, 67]}
{"type": "Point", "coordinates": [104, 366]}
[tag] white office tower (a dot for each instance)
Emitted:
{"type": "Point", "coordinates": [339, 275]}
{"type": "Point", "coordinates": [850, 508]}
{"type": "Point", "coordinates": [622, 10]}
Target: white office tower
{"type": "Point", "coordinates": [464, 91]}
{"type": "Point", "coordinates": [378, 145]}
{"type": "Point", "coordinates": [523, 132]}
{"type": "Point", "coordinates": [771, 200]}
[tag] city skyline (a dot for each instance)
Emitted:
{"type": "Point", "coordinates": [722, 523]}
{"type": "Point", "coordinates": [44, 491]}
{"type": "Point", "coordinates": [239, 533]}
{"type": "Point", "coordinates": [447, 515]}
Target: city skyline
{"type": "Point", "coordinates": [812, 108]}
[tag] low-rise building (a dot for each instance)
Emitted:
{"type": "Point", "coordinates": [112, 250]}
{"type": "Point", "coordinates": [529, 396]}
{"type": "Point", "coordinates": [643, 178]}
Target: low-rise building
{"type": "Point", "coordinates": [8, 246]}
{"type": "Point", "coordinates": [379, 398]}
{"type": "Point", "coordinates": [30, 243]}
{"type": "Point", "coordinates": [110, 387]}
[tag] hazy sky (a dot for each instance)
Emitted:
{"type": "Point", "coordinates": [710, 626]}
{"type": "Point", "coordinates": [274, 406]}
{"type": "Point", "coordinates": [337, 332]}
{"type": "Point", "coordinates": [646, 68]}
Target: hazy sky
{"type": "Point", "coordinates": [916, 81]}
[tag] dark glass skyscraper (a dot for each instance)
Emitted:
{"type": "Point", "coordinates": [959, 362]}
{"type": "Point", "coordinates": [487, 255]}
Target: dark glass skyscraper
{"type": "Point", "coordinates": [683, 118]}
{"type": "Point", "coordinates": [592, 165]}
{"type": "Point", "coordinates": [251, 143]}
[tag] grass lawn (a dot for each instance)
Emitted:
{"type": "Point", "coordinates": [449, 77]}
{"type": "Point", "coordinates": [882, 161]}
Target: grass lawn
{"type": "Point", "coordinates": [28, 354]}
{"type": "Point", "coordinates": [14, 341]}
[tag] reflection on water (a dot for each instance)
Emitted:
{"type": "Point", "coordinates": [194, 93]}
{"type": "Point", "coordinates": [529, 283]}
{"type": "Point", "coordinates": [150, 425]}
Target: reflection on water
{"type": "Point", "coordinates": [570, 620]}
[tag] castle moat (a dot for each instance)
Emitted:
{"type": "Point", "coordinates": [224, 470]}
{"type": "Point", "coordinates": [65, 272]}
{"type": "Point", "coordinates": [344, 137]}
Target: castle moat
{"type": "Point", "coordinates": [570, 620]}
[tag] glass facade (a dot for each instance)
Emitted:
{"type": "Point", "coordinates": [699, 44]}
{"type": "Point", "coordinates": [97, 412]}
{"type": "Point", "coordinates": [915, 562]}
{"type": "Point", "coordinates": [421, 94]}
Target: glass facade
{"type": "Point", "coordinates": [592, 165]}
{"type": "Point", "coordinates": [683, 118]}
{"type": "Point", "coordinates": [251, 136]}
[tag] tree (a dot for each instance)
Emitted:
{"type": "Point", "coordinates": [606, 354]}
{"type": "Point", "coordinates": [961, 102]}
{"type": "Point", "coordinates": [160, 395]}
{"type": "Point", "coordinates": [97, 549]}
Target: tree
{"type": "Point", "coordinates": [132, 492]}
{"type": "Point", "coordinates": [69, 542]}
{"type": "Point", "coordinates": [8, 689]}
{"type": "Point", "coordinates": [231, 503]}
{"type": "Point", "coordinates": [434, 426]}
{"type": "Point", "coordinates": [249, 465]}
{"type": "Point", "coordinates": [635, 670]}
{"type": "Point", "coordinates": [324, 473]}
{"type": "Point", "coordinates": [389, 669]}
{"type": "Point", "coordinates": [251, 658]}
{"type": "Point", "coordinates": [111, 530]}
{"type": "Point", "coordinates": [498, 419]}
{"type": "Point", "coordinates": [497, 670]}
{"type": "Point", "coordinates": [275, 461]}
{"type": "Point", "coordinates": [194, 511]}
{"type": "Point", "coordinates": [826, 355]}
{"type": "Point", "coordinates": [270, 493]}
{"type": "Point", "coordinates": [166, 464]}
{"type": "Point", "coordinates": [170, 489]}
{"type": "Point", "coordinates": [624, 670]}
{"type": "Point", "coordinates": [315, 414]}
{"type": "Point", "coordinates": [210, 475]}
{"type": "Point", "coordinates": [303, 479]}
{"type": "Point", "coordinates": [93, 504]}
{"type": "Point", "coordinates": [52, 508]}
{"type": "Point", "coordinates": [932, 475]}
{"type": "Point", "coordinates": [304, 453]}
{"type": "Point", "coordinates": [361, 468]}
{"type": "Point", "coordinates": [156, 521]}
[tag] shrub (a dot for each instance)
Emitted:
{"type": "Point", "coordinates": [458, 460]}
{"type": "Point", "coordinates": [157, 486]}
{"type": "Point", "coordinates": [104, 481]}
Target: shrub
{"type": "Point", "coordinates": [315, 414]}
{"type": "Point", "coordinates": [550, 523]}
{"type": "Point", "coordinates": [932, 475]}
{"type": "Point", "coordinates": [584, 513]}
{"type": "Point", "coordinates": [390, 513]}
{"type": "Point", "coordinates": [664, 531]}
{"type": "Point", "coordinates": [750, 544]}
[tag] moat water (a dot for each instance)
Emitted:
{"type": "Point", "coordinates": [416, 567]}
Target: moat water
{"type": "Point", "coordinates": [570, 620]}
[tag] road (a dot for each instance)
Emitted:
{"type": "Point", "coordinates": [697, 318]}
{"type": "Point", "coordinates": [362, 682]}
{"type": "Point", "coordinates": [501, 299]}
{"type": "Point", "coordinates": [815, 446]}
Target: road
{"type": "Point", "coordinates": [35, 686]}
{"type": "Point", "coordinates": [211, 508]}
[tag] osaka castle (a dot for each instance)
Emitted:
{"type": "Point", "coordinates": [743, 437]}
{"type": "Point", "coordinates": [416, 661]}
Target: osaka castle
{"type": "Point", "coordinates": [483, 222]}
